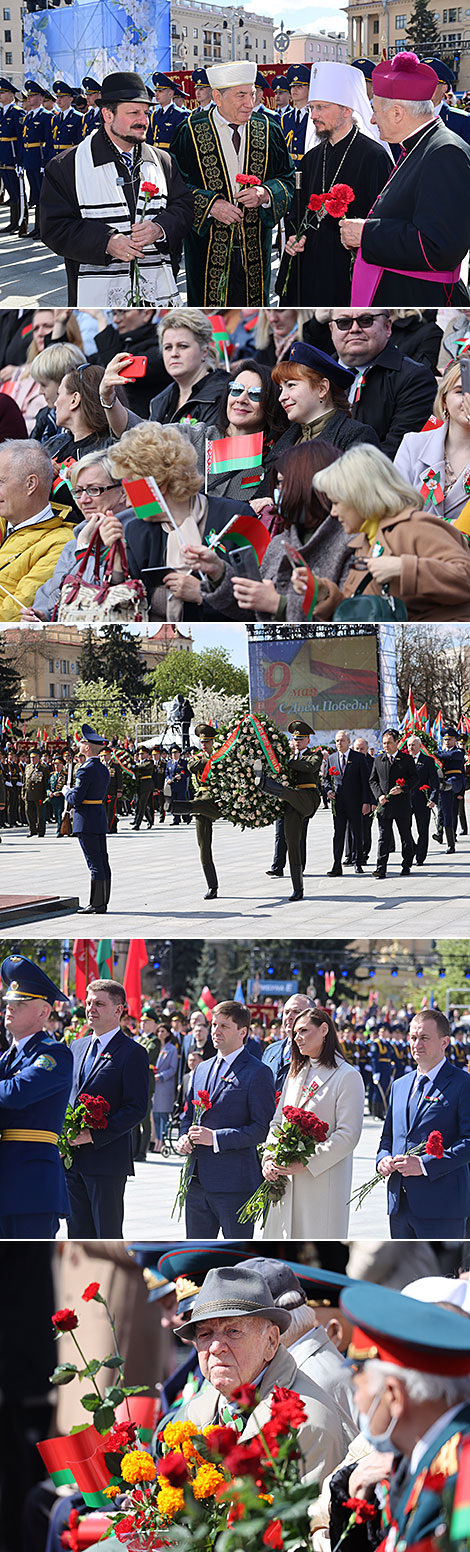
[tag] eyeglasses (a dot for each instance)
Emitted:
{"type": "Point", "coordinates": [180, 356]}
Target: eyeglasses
{"type": "Point", "coordinates": [364, 321]}
{"type": "Point", "coordinates": [93, 490]}
{"type": "Point", "coordinates": [236, 390]}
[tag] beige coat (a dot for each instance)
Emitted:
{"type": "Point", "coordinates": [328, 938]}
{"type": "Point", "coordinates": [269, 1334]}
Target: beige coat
{"type": "Point", "coordinates": [435, 568]}
{"type": "Point", "coordinates": [320, 1438]}
{"type": "Point", "coordinates": [315, 1204]}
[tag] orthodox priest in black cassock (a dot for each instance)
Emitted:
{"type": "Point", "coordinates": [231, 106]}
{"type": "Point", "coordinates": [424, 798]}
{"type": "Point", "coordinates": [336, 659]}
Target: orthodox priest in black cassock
{"type": "Point", "coordinates": [325, 266]}
{"type": "Point", "coordinates": [418, 232]}
{"type": "Point", "coordinates": [231, 264]}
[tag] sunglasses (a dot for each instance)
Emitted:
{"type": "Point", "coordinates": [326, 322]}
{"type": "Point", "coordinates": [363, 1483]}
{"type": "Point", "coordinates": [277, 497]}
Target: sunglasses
{"type": "Point", "coordinates": [364, 321]}
{"type": "Point", "coordinates": [235, 392]}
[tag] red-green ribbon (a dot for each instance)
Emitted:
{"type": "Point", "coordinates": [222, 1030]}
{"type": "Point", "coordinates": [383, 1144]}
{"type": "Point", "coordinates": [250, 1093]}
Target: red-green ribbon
{"type": "Point", "coordinates": [431, 488]}
{"type": "Point", "coordinates": [233, 738]}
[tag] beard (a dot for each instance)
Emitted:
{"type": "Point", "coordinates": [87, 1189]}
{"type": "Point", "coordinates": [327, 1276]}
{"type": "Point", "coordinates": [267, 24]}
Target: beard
{"type": "Point", "coordinates": [324, 135]}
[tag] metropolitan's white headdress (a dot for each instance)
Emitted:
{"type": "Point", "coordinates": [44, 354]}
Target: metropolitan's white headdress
{"type": "Point", "coordinates": [331, 82]}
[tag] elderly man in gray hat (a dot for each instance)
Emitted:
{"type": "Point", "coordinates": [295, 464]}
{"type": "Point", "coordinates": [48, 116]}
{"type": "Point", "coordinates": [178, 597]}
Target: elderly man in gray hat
{"type": "Point", "coordinates": [236, 1326]}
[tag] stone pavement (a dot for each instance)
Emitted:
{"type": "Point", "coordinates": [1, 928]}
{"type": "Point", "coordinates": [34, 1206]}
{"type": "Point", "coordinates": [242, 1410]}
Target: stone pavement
{"type": "Point", "coordinates": [150, 1195]}
{"type": "Point", "coordinates": [158, 887]}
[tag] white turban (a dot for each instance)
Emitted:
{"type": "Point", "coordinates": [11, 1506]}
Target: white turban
{"type": "Point", "coordinates": [346, 86]}
{"type": "Point", "coordinates": [235, 73]}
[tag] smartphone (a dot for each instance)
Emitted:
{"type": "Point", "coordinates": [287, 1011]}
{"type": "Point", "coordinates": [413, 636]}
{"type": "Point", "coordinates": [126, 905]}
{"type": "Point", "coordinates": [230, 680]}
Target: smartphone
{"type": "Point", "coordinates": [136, 367]}
{"type": "Point", "coordinates": [465, 373]}
{"type": "Point", "coordinates": [154, 576]}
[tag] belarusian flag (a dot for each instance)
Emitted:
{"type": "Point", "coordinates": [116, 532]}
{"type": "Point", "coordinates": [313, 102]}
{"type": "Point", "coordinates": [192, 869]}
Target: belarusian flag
{"type": "Point", "coordinates": [104, 958]}
{"type": "Point", "coordinates": [237, 452]}
{"type": "Point", "coordinates": [309, 601]}
{"type": "Point", "coordinates": [244, 529]}
{"type": "Point", "coordinates": [206, 1002]}
{"type": "Point", "coordinates": [143, 498]}
{"type": "Point", "coordinates": [7, 727]}
{"type": "Point", "coordinates": [220, 335]}
{"type": "Point", "coordinates": [460, 1522]}
{"type": "Point", "coordinates": [411, 708]}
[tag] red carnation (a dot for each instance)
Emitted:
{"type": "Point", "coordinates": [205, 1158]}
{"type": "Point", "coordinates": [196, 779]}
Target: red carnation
{"type": "Point", "coordinates": [287, 1409]}
{"type": "Point", "coordinates": [73, 1519]}
{"type": "Point", "coordinates": [245, 1460]}
{"type": "Point", "coordinates": [90, 1292]}
{"type": "Point", "coordinates": [435, 1145]}
{"type": "Point", "coordinates": [400, 781]}
{"type": "Point", "coordinates": [424, 789]}
{"type": "Point", "coordinates": [245, 1396]}
{"type": "Point", "coordinates": [65, 1320]}
{"type": "Point", "coordinates": [247, 180]}
{"type": "Point", "coordinates": [203, 1098]}
{"type": "Point", "coordinates": [174, 1468]}
{"type": "Point", "coordinates": [221, 1440]}
{"type": "Point", "coordinates": [148, 188]}
{"type": "Point", "coordinates": [338, 198]}
{"type": "Point", "coordinates": [273, 1536]}
{"type": "Point", "coordinates": [315, 202]}
{"type": "Point", "coordinates": [125, 1528]}
{"type": "Point", "coordinates": [362, 1511]}
{"type": "Point", "coordinates": [236, 1512]}
{"type": "Point", "coordinates": [119, 1436]}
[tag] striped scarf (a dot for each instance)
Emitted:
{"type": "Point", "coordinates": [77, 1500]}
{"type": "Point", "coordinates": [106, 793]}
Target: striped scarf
{"type": "Point", "coordinates": [101, 197]}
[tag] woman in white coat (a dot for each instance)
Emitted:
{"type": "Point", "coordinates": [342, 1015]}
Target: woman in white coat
{"type": "Point", "coordinates": [443, 452]}
{"type": "Point", "coordinates": [315, 1204]}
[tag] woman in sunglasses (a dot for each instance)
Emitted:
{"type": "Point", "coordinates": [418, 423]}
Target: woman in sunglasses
{"type": "Point", "coordinates": [249, 403]}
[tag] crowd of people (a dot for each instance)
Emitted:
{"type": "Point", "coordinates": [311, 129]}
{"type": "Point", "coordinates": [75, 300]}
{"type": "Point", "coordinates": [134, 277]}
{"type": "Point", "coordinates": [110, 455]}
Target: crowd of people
{"type": "Point", "coordinates": [213, 1084]}
{"type": "Point", "coordinates": [329, 449]}
{"type": "Point", "coordinates": [122, 187]}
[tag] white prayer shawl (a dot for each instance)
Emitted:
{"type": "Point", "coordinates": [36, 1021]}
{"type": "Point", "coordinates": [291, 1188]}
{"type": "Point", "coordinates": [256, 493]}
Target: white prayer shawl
{"type": "Point", "coordinates": [101, 197]}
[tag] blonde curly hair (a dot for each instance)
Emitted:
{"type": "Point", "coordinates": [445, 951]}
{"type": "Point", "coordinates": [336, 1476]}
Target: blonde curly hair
{"type": "Point", "coordinates": [159, 452]}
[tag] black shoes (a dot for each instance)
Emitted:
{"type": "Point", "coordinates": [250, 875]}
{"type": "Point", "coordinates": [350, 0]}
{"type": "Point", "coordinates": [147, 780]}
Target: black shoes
{"type": "Point", "coordinates": [274, 873]}
{"type": "Point", "coordinates": [358, 868]}
{"type": "Point", "coordinates": [379, 873]}
{"type": "Point", "coordinates": [335, 873]}
{"type": "Point", "coordinates": [297, 895]}
{"type": "Point", "coordinates": [211, 894]}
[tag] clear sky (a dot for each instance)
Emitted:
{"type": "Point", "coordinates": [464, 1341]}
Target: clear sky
{"type": "Point", "coordinates": [310, 17]}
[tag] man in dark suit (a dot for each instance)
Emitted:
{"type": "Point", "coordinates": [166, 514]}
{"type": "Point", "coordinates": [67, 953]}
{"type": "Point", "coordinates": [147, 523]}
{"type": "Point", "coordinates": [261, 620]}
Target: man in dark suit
{"type": "Point", "coordinates": [277, 1055]}
{"type": "Point", "coordinates": [362, 747]}
{"type": "Point", "coordinates": [346, 784]}
{"type": "Point", "coordinates": [223, 1148]}
{"type": "Point", "coordinates": [392, 779]}
{"type": "Point", "coordinates": [110, 1064]}
{"type": "Point", "coordinates": [88, 800]}
{"type": "Point", "coordinates": [428, 1197]}
{"type": "Point", "coordinates": [423, 796]}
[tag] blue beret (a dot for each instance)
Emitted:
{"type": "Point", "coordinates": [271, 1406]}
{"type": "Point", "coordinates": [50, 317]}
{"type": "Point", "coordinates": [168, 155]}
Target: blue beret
{"type": "Point", "coordinates": [25, 980]}
{"type": "Point", "coordinates": [318, 361]}
{"type": "Point", "coordinates": [298, 75]}
{"type": "Point", "coordinates": [413, 1335]}
{"type": "Point", "coordinates": [444, 73]}
{"type": "Point", "coordinates": [366, 66]}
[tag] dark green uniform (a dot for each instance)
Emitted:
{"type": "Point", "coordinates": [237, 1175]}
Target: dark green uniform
{"type": "Point", "coordinates": [302, 798]}
{"type": "Point", "coordinates": [34, 793]}
{"type": "Point", "coordinates": [144, 782]}
{"type": "Point", "coordinates": [114, 793]}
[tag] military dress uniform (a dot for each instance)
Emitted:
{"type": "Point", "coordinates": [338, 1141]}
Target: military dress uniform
{"type": "Point", "coordinates": [88, 799]}
{"type": "Point", "coordinates": [35, 1084]}
{"type": "Point", "coordinates": [65, 129]}
{"type": "Point", "coordinates": [34, 793]}
{"type": "Point", "coordinates": [113, 795]}
{"type": "Point", "coordinates": [91, 118]}
{"type": "Point", "coordinates": [35, 138]}
{"type": "Point", "coordinates": [452, 786]}
{"type": "Point", "coordinates": [301, 798]}
{"type": "Point", "coordinates": [11, 157]}
{"type": "Point", "coordinates": [163, 125]}
{"type": "Point", "coordinates": [203, 807]}
{"type": "Point", "coordinates": [144, 770]}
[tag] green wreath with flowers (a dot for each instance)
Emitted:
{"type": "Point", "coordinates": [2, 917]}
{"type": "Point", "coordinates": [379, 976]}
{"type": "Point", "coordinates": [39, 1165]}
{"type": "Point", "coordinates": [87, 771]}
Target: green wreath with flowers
{"type": "Point", "coordinates": [229, 778]}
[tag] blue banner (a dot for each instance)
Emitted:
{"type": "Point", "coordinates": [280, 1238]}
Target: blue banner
{"type": "Point", "coordinates": [97, 38]}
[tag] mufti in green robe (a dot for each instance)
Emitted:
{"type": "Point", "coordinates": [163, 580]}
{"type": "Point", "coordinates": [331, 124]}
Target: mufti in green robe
{"type": "Point", "coordinates": [209, 245]}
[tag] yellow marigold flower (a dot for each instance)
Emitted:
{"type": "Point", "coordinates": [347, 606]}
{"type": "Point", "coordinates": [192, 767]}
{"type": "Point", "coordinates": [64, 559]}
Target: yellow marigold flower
{"type": "Point", "coordinates": [175, 1433]}
{"type": "Point", "coordinates": [169, 1500]}
{"type": "Point", "coordinates": [190, 1452]}
{"type": "Point", "coordinates": [207, 1481]}
{"type": "Point", "coordinates": [138, 1466]}
{"type": "Point", "coordinates": [266, 1497]}
{"type": "Point", "coordinates": [111, 1492]}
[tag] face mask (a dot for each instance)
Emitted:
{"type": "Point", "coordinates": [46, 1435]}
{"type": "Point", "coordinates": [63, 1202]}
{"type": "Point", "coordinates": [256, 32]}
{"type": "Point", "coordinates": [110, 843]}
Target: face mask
{"type": "Point", "coordinates": [277, 498]}
{"type": "Point", "coordinates": [382, 1442]}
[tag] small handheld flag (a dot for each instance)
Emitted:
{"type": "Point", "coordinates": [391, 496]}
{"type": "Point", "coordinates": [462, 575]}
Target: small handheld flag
{"type": "Point", "coordinates": [142, 497]}
{"type": "Point", "coordinates": [310, 598]}
{"type": "Point", "coordinates": [244, 530]}
{"type": "Point", "coordinates": [237, 452]}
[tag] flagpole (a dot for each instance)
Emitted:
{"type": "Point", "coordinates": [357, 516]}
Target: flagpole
{"type": "Point", "coordinates": [206, 468]}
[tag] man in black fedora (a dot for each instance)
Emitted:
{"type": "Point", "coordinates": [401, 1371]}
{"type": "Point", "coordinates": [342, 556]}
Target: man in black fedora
{"type": "Point", "coordinates": [115, 236]}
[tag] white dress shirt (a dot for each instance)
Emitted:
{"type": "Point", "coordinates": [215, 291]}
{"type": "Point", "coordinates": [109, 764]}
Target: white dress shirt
{"type": "Point", "coordinates": [29, 522]}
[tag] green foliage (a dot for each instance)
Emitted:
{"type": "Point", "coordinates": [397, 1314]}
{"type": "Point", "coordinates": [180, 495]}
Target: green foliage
{"type": "Point", "coordinates": [106, 707]}
{"type": "Point", "coordinates": [10, 685]}
{"type": "Point", "coordinates": [114, 658]}
{"type": "Point", "coordinates": [183, 670]}
{"type": "Point", "coordinates": [422, 32]}
{"type": "Point", "coordinates": [35, 949]}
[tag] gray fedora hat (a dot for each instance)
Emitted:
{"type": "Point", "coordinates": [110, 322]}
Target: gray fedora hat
{"type": "Point", "coordinates": [234, 1290]}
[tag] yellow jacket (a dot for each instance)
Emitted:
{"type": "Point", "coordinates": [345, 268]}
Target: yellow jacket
{"type": "Point", "coordinates": [28, 557]}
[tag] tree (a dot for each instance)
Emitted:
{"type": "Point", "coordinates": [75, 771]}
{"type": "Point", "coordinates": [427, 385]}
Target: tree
{"type": "Point", "coordinates": [121, 664]}
{"type": "Point", "coordinates": [212, 669]}
{"type": "Point", "coordinates": [48, 955]}
{"type": "Point", "coordinates": [89, 663]}
{"type": "Point", "coordinates": [105, 707]}
{"type": "Point", "coordinates": [422, 33]}
{"type": "Point", "coordinates": [10, 685]}
{"type": "Point", "coordinates": [436, 666]}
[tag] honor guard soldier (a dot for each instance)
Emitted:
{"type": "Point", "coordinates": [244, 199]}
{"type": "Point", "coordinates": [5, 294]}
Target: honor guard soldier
{"type": "Point", "coordinates": [301, 798]}
{"type": "Point", "coordinates": [281, 92]}
{"type": "Point", "coordinates": [35, 1083]}
{"type": "Point", "coordinates": [35, 134]}
{"type": "Point", "coordinates": [295, 121]}
{"type": "Point", "coordinates": [202, 90]}
{"type": "Point", "coordinates": [92, 116]}
{"type": "Point", "coordinates": [11, 156]}
{"type": "Point", "coordinates": [382, 1063]}
{"type": "Point", "coordinates": [453, 118]}
{"type": "Point", "coordinates": [88, 799]}
{"type": "Point", "coordinates": [65, 124]}
{"type": "Point", "coordinates": [201, 805]}
{"type": "Point", "coordinates": [366, 66]}
{"type": "Point", "coordinates": [262, 86]}
{"type": "Point", "coordinates": [165, 119]}
{"type": "Point", "coordinates": [114, 789]}
{"type": "Point", "coordinates": [452, 786]}
{"type": "Point", "coordinates": [144, 772]}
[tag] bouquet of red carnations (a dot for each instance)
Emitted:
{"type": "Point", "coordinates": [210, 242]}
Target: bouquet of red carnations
{"type": "Point", "coordinates": [92, 1111]}
{"type": "Point", "coordinates": [334, 202]}
{"type": "Point", "coordinates": [201, 1103]}
{"type": "Point", "coordinates": [295, 1143]}
{"type": "Point", "coordinates": [433, 1147]}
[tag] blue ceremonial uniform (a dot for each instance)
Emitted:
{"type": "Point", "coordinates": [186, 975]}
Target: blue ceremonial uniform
{"type": "Point", "coordinates": [163, 125]}
{"type": "Point", "coordinates": [11, 149]}
{"type": "Point", "coordinates": [90, 120]}
{"type": "Point", "coordinates": [90, 824]}
{"type": "Point", "coordinates": [119, 1074]}
{"type": "Point", "coordinates": [381, 1056]}
{"type": "Point", "coordinates": [452, 787]}
{"type": "Point", "coordinates": [65, 130]}
{"type": "Point", "coordinates": [35, 1083]}
{"type": "Point", "coordinates": [457, 121]}
{"type": "Point", "coordinates": [294, 128]}
{"type": "Point", "coordinates": [35, 136]}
